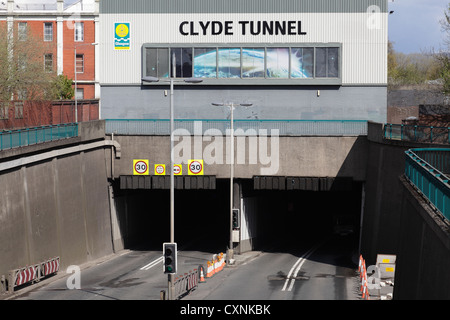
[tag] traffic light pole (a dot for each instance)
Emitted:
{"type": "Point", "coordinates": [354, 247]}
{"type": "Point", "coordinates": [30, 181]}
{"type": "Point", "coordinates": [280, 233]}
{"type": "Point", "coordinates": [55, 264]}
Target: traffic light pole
{"type": "Point", "coordinates": [230, 252]}
{"type": "Point", "coordinates": [172, 188]}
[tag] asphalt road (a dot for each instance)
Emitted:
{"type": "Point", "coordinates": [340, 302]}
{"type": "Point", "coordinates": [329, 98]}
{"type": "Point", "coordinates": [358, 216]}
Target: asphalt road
{"type": "Point", "coordinates": [307, 271]}
{"type": "Point", "coordinates": [322, 271]}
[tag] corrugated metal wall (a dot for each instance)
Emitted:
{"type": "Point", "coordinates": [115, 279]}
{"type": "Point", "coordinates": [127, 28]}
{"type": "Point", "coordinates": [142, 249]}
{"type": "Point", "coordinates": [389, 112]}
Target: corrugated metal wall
{"type": "Point", "coordinates": [363, 37]}
{"type": "Point", "coordinates": [238, 6]}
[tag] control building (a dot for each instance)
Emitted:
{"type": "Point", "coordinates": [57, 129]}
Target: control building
{"type": "Point", "coordinates": [291, 59]}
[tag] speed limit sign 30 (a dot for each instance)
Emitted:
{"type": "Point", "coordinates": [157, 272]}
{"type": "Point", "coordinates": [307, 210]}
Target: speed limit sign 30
{"type": "Point", "coordinates": [140, 167]}
{"type": "Point", "coordinates": [195, 167]}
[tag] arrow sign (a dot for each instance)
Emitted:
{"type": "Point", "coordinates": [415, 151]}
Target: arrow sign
{"type": "Point", "coordinates": [177, 169]}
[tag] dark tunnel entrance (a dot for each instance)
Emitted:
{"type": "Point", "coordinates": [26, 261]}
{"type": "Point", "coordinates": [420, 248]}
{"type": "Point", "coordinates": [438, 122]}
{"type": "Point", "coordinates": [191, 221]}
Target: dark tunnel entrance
{"type": "Point", "coordinates": [287, 218]}
{"type": "Point", "coordinates": [276, 220]}
{"type": "Point", "coordinates": [201, 217]}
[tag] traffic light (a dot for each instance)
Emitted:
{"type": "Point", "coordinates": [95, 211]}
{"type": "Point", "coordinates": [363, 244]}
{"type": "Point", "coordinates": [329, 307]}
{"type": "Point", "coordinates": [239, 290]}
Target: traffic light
{"type": "Point", "coordinates": [170, 258]}
{"type": "Point", "coordinates": [236, 223]}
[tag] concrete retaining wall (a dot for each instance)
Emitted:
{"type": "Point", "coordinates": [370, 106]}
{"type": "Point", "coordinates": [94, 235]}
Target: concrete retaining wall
{"type": "Point", "coordinates": [396, 221]}
{"type": "Point", "coordinates": [58, 206]}
{"type": "Point", "coordinates": [293, 156]}
{"type": "Point", "coordinates": [423, 257]}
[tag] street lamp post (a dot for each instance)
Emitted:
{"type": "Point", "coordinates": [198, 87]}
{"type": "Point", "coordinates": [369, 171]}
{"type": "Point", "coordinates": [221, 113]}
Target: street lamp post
{"type": "Point", "coordinates": [231, 105]}
{"type": "Point", "coordinates": [172, 188]}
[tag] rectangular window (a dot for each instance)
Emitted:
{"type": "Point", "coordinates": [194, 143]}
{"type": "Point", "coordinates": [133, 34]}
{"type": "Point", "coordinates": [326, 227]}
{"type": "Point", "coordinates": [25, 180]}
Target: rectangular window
{"type": "Point", "coordinates": [229, 61]}
{"type": "Point", "coordinates": [48, 62]}
{"type": "Point", "coordinates": [333, 62]}
{"type": "Point", "coordinates": [157, 62]}
{"type": "Point", "coordinates": [302, 62]}
{"type": "Point", "coordinates": [48, 31]}
{"type": "Point", "coordinates": [79, 31]}
{"type": "Point", "coordinates": [252, 62]}
{"type": "Point", "coordinates": [277, 63]}
{"type": "Point", "coordinates": [183, 60]}
{"type": "Point", "coordinates": [80, 93]}
{"type": "Point", "coordinates": [4, 110]}
{"type": "Point", "coordinates": [205, 63]}
{"type": "Point", "coordinates": [310, 62]}
{"type": "Point", "coordinates": [80, 63]}
{"type": "Point", "coordinates": [22, 30]}
{"type": "Point", "coordinates": [18, 110]}
{"type": "Point", "coordinates": [327, 65]}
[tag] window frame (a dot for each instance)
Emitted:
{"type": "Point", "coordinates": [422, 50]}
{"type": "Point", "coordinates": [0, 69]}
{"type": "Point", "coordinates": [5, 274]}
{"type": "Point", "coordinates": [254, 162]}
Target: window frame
{"type": "Point", "coordinates": [22, 31]}
{"type": "Point", "coordinates": [49, 35]}
{"type": "Point", "coordinates": [82, 63]}
{"type": "Point", "coordinates": [265, 80]}
{"type": "Point", "coordinates": [46, 60]}
{"type": "Point", "coordinates": [78, 23]}
{"type": "Point", "coordinates": [4, 110]}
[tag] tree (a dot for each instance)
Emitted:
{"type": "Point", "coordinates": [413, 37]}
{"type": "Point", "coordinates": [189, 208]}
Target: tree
{"type": "Point", "coordinates": [443, 56]}
{"type": "Point", "coordinates": [62, 87]}
{"type": "Point", "coordinates": [411, 69]}
{"type": "Point", "coordinates": [23, 75]}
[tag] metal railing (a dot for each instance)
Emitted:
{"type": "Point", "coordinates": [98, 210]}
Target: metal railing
{"type": "Point", "coordinates": [30, 136]}
{"type": "Point", "coordinates": [433, 183]}
{"type": "Point", "coordinates": [415, 133]}
{"type": "Point", "coordinates": [199, 126]}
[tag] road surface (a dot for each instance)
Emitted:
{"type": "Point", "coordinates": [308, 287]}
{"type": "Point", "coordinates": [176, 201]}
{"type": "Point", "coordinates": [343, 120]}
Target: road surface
{"type": "Point", "coordinates": [306, 271]}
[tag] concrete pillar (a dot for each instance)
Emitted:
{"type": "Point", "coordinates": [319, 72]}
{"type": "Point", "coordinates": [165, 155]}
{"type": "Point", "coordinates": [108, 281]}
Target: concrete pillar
{"type": "Point", "coordinates": [10, 6]}
{"type": "Point", "coordinates": [59, 44]}
{"type": "Point", "coordinates": [60, 6]}
{"type": "Point", "coordinates": [117, 239]}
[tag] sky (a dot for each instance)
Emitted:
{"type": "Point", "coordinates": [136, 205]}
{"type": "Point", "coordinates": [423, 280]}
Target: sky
{"type": "Point", "coordinates": [414, 26]}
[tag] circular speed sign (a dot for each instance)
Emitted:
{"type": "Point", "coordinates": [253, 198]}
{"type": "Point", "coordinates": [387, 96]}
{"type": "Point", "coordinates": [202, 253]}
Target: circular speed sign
{"type": "Point", "coordinates": [196, 167]}
{"type": "Point", "coordinates": [160, 169]}
{"type": "Point", "coordinates": [140, 167]}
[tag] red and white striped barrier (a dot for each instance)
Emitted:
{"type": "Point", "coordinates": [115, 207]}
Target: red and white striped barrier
{"type": "Point", "coordinates": [50, 267]}
{"type": "Point", "coordinates": [215, 265]}
{"type": "Point", "coordinates": [185, 284]}
{"type": "Point", "coordinates": [26, 275]}
{"type": "Point", "coordinates": [363, 277]}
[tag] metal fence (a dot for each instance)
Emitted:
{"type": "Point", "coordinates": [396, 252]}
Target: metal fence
{"type": "Point", "coordinates": [29, 136]}
{"type": "Point", "coordinates": [200, 126]}
{"type": "Point", "coordinates": [433, 183]}
{"type": "Point", "coordinates": [417, 133]}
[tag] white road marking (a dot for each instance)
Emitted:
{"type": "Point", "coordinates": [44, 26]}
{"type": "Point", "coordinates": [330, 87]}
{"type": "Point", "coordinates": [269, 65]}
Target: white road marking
{"type": "Point", "coordinates": [296, 268]}
{"type": "Point", "coordinates": [152, 264]}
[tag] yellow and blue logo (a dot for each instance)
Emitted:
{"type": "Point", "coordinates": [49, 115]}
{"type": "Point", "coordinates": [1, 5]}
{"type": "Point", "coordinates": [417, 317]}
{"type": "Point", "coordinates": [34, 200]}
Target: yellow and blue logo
{"type": "Point", "coordinates": [122, 36]}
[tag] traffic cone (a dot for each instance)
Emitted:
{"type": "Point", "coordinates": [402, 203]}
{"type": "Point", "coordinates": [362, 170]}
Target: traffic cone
{"type": "Point", "coordinates": [202, 276]}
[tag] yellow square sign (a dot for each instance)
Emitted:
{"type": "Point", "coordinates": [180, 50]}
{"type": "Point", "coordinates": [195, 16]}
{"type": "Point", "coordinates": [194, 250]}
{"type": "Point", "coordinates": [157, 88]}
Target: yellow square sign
{"type": "Point", "coordinates": [160, 169]}
{"type": "Point", "coordinates": [195, 167]}
{"type": "Point", "coordinates": [140, 167]}
{"type": "Point", "coordinates": [177, 170]}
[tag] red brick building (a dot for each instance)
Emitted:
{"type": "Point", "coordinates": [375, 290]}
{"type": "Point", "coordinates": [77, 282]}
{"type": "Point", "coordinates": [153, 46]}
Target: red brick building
{"type": "Point", "coordinates": [68, 29]}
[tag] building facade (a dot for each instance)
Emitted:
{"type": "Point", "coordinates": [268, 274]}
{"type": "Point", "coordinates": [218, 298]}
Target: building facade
{"type": "Point", "coordinates": [69, 33]}
{"type": "Point", "coordinates": [310, 59]}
